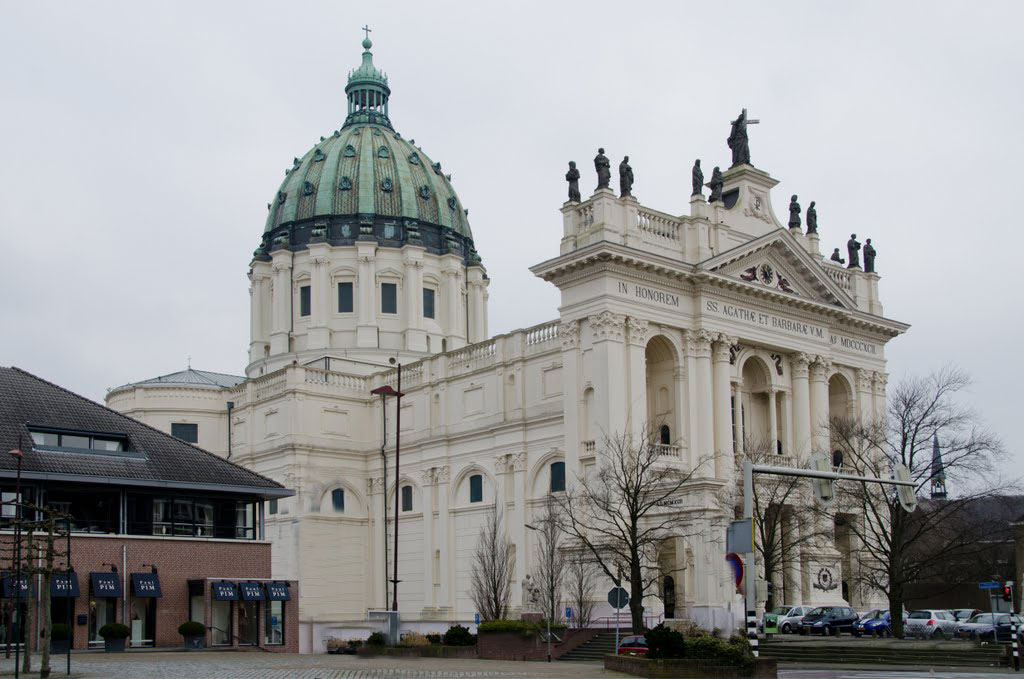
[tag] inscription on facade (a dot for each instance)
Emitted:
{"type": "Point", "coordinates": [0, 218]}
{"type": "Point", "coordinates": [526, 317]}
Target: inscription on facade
{"type": "Point", "coordinates": [650, 294]}
{"type": "Point", "coordinates": [854, 345]}
{"type": "Point", "coordinates": [764, 320]}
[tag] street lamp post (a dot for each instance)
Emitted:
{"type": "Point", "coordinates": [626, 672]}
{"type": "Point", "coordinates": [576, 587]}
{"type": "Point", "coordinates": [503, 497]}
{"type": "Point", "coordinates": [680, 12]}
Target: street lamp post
{"type": "Point", "coordinates": [551, 603]}
{"type": "Point", "coordinates": [388, 390]}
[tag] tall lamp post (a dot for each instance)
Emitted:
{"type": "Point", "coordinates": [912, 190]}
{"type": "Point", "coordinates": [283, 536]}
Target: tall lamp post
{"type": "Point", "coordinates": [388, 390]}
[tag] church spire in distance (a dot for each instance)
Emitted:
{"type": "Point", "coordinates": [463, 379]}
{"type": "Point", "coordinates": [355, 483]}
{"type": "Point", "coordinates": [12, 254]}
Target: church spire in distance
{"type": "Point", "coordinates": [938, 472]}
{"type": "Point", "coordinates": [367, 91]}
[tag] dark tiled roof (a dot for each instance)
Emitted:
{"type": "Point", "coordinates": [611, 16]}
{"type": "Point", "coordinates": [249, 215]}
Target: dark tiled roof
{"type": "Point", "coordinates": [28, 400]}
{"type": "Point", "coordinates": [188, 378]}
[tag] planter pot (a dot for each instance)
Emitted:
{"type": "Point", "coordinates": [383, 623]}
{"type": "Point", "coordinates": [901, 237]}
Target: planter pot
{"type": "Point", "coordinates": [196, 643]}
{"type": "Point", "coordinates": [59, 647]}
{"type": "Point", "coordinates": [113, 645]}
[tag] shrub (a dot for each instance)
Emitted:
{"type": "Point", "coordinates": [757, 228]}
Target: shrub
{"type": "Point", "coordinates": [457, 635]}
{"type": "Point", "coordinates": [664, 642]}
{"type": "Point", "coordinates": [735, 652]}
{"type": "Point", "coordinates": [354, 642]}
{"type": "Point", "coordinates": [192, 628]}
{"type": "Point", "coordinates": [59, 632]}
{"type": "Point", "coordinates": [114, 630]}
{"type": "Point", "coordinates": [413, 640]}
{"type": "Point", "coordinates": [527, 629]}
{"type": "Point", "coordinates": [434, 639]}
{"type": "Point", "coordinates": [377, 639]}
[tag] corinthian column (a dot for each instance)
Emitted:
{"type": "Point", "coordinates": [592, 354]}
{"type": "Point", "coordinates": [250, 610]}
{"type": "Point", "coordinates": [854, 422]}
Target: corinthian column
{"type": "Point", "coordinates": [724, 465]}
{"type": "Point", "coordinates": [699, 344]}
{"type": "Point", "coordinates": [442, 475]}
{"type": "Point", "coordinates": [636, 359]}
{"type": "Point", "coordinates": [865, 399]}
{"type": "Point", "coordinates": [819, 404]}
{"type": "Point", "coordinates": [282, 301]}
{"type": "Point", "coordinates": [429, 599]}
{"type": "Point", "coordinates": [801, 407]}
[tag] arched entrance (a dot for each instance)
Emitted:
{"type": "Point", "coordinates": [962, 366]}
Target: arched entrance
{"type": "Point", "coordinates": [662, 410]}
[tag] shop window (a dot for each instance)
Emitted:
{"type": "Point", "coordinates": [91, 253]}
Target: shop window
{"type": "Point", "coordinates": [345, 298]}
{"type": "Point", "coordinates": [305, 300]}
{"type": "Point", "coordinates": [388, 298]}
{"type": "Point", "coordinates": [248, 613]}
{"type": "Point", "coordinates": [406, 498]}
{"type": "Point", "coordinates": [338, 499]}
{"type": "Point", "coordinates": [476, 488]}
{"type": "Point", "coordinates": [220, 623]}
{"type": "Point", "coordinates": [185, 431]}
{"type": "Point", "coordinates": [143, 621]}
{"type": "Point", "coordinates": [101, 612]}
{"type": "Point", "coordinates": [557, 477]}
{"type": "Point", "coordinates": [428, 303]}
{"type": "Point", "coordinates": [273, 626]}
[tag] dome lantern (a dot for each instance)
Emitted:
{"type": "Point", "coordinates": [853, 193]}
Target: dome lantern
{"type": "Point", "coordinates": [367, 91]}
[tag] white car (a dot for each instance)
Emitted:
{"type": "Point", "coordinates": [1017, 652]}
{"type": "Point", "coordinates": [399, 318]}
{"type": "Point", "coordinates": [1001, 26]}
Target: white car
{"type": "Point", "coordinates": [789, 617]}
{"type": "Point", "coordinates": [932, 624]}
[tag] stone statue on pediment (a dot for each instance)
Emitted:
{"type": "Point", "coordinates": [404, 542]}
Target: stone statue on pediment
{"type": "Point", "coordinates": [573, 177]}
{"type": "Point", "coordinates": [625, 179]}
{"type": "Point", "coordinates": [853, 251]}
{"type": "Point", "coordinates": [812, 219]}
{"type": "Point", "coordinates": [869, 257]}
{"type": "Point", "coordinates": [698, 179]}
{"type": "Point", "coordinates": [794, 213]}
{"type": "Point", "coordinates": [836, 257]}
{"type": "Point", "coordinates": [716, 186]}
{"type": "Point", "coordinates": [604, 169]}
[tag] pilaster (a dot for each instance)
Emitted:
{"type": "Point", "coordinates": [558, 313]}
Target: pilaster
{"type": "Point", "coordinates": [442, 477]}
{"type": "Point", "coordinates": [819, 404]}
{"type": "Point", "coordinates": [366, 330]}
{"type": "Point", "coordinates": [610, 371]}
{"type": "Point", "coordinates": [724, 460]}
{"type": "Point", "coordinates": [427, 493]}
{"type": "Point", "coordinates": [801, 406]}
{"type": "Point", "coordinates": [415, 336]}
{"type": "Point", "coordinates": [281, 265]}
{"type": "Point", "coordinates": [699, 344]}
{"type": "Point", "coordinates": [572, 398]}
{"type": "Point", "coordinates": [319, 334]}
{"type": "Point", "coordinates": [637, 331]}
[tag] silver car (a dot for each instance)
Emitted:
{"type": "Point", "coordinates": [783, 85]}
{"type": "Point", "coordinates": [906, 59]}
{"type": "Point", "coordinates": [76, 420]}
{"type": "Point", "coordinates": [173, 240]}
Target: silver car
{"type": "Point", "coordinates": [789, 617]}
{"type": "Point", "coordinates": [932, 624]}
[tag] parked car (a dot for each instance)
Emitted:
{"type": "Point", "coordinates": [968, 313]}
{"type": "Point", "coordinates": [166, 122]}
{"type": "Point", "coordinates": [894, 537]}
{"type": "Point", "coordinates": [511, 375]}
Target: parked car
{"type": "Point", "coordinates": [965, 614]}
{"type": "Point", "coordinates": [788, 617]}
{"type": "Point", "coordinates": [878, 626]}
{"type": "Point", "coordinates": [980, 626]}
{"type": "Point", "coordinates": [931, 624]}
{"type": "Point", "coordinates": [870, 615]}
{"type": "Point", "coordinates": [633, 646]}
{"type": "Point", "coordinates": [828, 620]}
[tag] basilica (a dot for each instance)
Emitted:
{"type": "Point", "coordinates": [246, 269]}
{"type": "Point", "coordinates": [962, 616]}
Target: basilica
{"type": "Point", "coordinates": [723, 325]}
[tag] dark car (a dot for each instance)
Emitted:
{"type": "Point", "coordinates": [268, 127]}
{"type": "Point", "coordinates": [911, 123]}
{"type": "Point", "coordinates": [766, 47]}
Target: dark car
{"type": "Point", "coordinates": [633, 646]}
{"type": "Point", "coordinates": [829, 620]}
{"type": "Point", "coordinates": [980, 626]}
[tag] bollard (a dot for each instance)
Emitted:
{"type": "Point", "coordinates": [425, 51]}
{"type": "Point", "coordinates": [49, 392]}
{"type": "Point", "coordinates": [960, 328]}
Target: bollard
{"type": "Point", "coordinates": [1016, 650]}
{"type": "Point", "coordinates": [752, 631]}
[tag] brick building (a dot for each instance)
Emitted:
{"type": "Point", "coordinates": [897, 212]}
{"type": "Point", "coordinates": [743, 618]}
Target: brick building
{"type": "Point", "coordinates": [161, 531]}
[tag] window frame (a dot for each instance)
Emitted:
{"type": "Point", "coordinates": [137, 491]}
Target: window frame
{"type": "Point", "coordinates": [351, 299]}
{"type": "Point", "coordinates": [433, 302]}
{"type": "Point", "coordinates": [195, 428]}
{"type": "Point", "coordinates": [338, 500]}
{"type": "Point", "coordinates": [393, 285]}
{"type": "Point", "coordinates": [478, 480]}
{"type": "Point", "coordinates": [551, 477]}
{"type": "Point", "coordinates": [407, 505]}
{"type": "Point", "coordinates": [305, 300]}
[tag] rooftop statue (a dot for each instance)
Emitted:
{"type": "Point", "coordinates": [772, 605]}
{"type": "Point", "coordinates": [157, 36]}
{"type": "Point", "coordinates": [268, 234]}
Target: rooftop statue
{"type": "Point", "coordinates": [698, 179]}
{"type": "Point", "coordinates": [812, 219]}
{"type": "Point", "coordinates": [625, 178]}
{"type": "Point", "coordinates": [716, 186]}
{"type": "Point", "coordinates": [573, 177]}
{"type": "Point", "coordinates": [604, 169]}
{"type": "Point", "coordinates": [836, 257]}
{"type": "Point", "coordinates": [794, 213]}
{"type": "Point", "coordinates": [869, 257]}
{"type": "Point", "coordinates": [738, 139]}
{"type": "Point", "coordinates": [853, 250]}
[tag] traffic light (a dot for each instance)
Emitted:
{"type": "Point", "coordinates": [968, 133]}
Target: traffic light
{"type": "Point", "coordinates": [1008, 590]}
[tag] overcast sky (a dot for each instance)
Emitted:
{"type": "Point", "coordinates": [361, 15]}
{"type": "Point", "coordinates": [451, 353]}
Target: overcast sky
{"type": "Point", "coordinates": [140, 144]}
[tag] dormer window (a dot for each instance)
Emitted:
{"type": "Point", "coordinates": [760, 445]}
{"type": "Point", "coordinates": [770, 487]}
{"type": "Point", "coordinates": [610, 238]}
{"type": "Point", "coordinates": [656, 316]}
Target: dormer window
{"type": "Point", "coordinates": [78, 440]}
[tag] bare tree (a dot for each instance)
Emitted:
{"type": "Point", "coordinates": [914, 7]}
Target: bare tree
{"type": "Point", "coordinates": [550, 566]}
{"type": "Point", "coordinates": [491, 572]}
{"type": "Point", "coordinates": [621, 515]}
{"type": "Point", "coordinates": [783, 518]}
{"type": "Point", "coordinates": [900, 548]}
{"type": "Point", "coordinates": [581, 586]}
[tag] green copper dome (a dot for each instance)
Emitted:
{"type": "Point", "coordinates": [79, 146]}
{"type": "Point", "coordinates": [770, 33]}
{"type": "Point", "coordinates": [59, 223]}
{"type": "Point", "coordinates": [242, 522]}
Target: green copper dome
{"type": "Point", "coordinates": [366, 181]}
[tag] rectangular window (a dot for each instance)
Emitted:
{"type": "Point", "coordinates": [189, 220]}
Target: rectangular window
{"type": "Point", "coordinates": [428, 303]}
{"type": "Point", "coordinates": [272, 507]}
{"type": "Point", "coordinates": [557, 477]}
{"type": "Point", "coordinates": [220, 623]}
{"type": "Point", "coordinates": [338, 499]}
{"type": "Point", "coordinates": [186, 432]}
{"type": "Point", "coordinates": [304, 300]}
{"type": "Point", "coordinates": [344, 298]}
{"type": "Point", "coordinates": [248, 614]}
{"type": "Point", "coordinates": [79, 440]}
{"type": "Point", "coordinates": [476, 488]}
{"type": "Point", "coordinates": [388, 298]}
{"type": "Point", "coordinates": [273, 627]}
{"type": "Point", "coordinates": [406, 498]}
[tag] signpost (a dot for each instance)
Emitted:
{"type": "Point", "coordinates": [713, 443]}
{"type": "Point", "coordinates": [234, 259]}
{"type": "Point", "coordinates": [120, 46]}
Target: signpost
{"type": "Point", "coordinates": [618, 598]}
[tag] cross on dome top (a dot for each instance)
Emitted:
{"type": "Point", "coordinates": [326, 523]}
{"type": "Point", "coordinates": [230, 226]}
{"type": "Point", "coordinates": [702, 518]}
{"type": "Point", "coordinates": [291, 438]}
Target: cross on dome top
{"type": "Point", "coordinates": [367, 90]}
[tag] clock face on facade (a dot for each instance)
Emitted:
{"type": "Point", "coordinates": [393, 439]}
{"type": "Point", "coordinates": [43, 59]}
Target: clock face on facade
{"type": "Point", "coordinates": [766, 273]}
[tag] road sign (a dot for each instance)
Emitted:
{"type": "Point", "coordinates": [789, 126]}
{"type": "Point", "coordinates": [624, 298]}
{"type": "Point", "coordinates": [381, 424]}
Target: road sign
{"type": "Point", "coordinates": [477, 618]}
{"type": "Point", "coordinates": [737, 566]}
{"type": "Point", "coordinates": [618, 597]}
{"type": "Point", "coordinates": [989, 585]}
{"type": "Point", "coordinates": [568, 613]}
{"type": "Point", "coordinates": [739, 536]}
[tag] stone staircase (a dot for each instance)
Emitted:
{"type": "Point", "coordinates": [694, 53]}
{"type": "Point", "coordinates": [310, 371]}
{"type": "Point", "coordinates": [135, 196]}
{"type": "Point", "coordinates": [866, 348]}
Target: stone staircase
{"type": "Point", "coordinates": [934, 654]}
{"type": "Point", "coordinates": [594, 650]}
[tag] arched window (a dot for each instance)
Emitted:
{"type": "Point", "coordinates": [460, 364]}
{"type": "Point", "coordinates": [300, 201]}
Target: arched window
{"type": "Point", "coordinates": [406, 498]}
{"type": "Point", "coordinates": [476, 488]}
{"type": "Point", "coordinates": [338, 499]}
{"type": "Point", "coordinates": [837, 458]}
{"type": "Point", "coordinates": [557, 477]}
{"type": "Point", "coordinates": [666, 435]}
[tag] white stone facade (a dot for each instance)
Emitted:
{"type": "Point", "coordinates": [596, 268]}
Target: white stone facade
{"type": "Point", "coordinates": [674, 319]}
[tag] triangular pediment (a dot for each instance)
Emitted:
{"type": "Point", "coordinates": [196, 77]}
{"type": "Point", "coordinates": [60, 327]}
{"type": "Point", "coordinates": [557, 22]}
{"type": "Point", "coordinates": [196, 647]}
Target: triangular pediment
{"type": "Point", "coordinates": [777, 261]}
